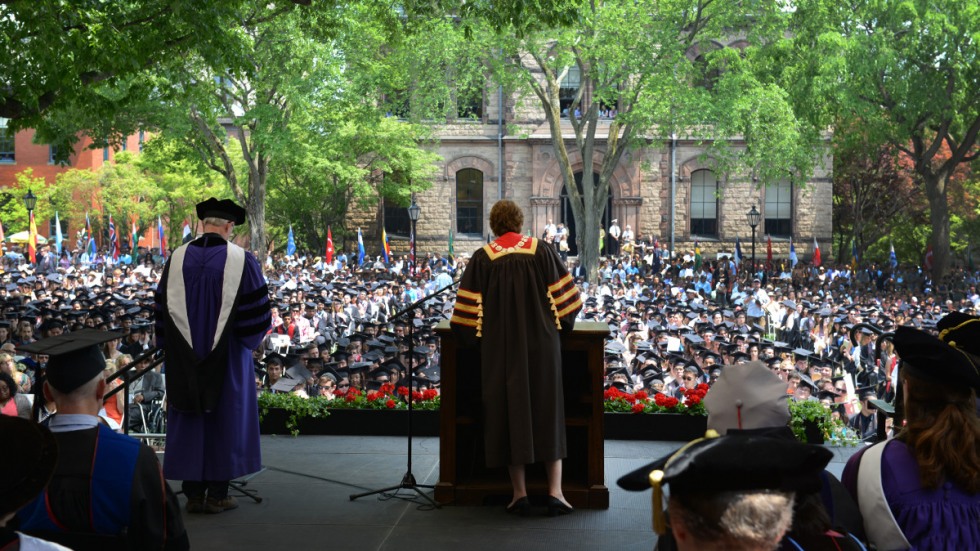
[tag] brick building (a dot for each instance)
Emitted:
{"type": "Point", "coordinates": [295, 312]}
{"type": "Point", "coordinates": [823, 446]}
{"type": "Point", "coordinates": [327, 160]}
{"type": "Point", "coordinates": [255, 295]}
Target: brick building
{"type": "Point", "coordinates": [18, 152]}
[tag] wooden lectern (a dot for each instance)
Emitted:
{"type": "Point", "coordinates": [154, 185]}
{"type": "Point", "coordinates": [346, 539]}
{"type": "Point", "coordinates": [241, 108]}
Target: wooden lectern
{"type": "Point", "coordinates": [464, 478]}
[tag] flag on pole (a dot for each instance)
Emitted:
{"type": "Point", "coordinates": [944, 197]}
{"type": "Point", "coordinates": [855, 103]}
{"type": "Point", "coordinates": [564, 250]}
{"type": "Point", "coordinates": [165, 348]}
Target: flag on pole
{"type": "Point", "coordinates": [452, 252]}
{"type": "Point", "coordinates": [816, 252]}
{"type": "Point", "coordinates": [135, 244]}
{"type": "Point", "coordinates": [854, 253]}
{"type": "Point", "coordinates": [32, 240]}
{"type": "Point", "coordinates": [768, 253]}
{"type": "Point", "coordinates": [385, 247]}
{"type": "Point", "coordinates": [411, 239]}
{"type": "Point", "coordinates": [927, 262]}
{"type": "Point", "coordinates": [185, 235]}
{"type": "Point", "coordinates": [329, 254]}
{"type": "Point", "coordinates": [697, 256]}
{"type": "Point", "coordinates": [163, 237]}
{"type": "Point", "coordinates": [738, 252]}
{"type": "Point", "coordinates": [360, 248]}
{"type": "Point", "coordinates": [290, 242]}
{"type": "Point", "coordinates": [892, 258]}
{"type": "Point", "coordinates": [792, 254]}
{"type": "Point", "coordinates": [113, 240]}
{"type": "Point", "coordinates": [3, 238]}
{"type": "Point", "coordinates": [89, 238]}
{"type": "Point", "coordinates": [58, 238]}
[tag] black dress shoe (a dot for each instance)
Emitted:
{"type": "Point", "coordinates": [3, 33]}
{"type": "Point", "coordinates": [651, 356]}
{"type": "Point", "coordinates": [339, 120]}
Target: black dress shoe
{"type": "Point", "coordinates": [556, 507]}
{"type": "Point", "coordinates": [521, 507]}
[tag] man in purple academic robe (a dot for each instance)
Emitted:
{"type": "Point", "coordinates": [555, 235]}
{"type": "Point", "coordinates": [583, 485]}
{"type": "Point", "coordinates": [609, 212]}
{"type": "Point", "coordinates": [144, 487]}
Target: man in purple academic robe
{"type": "Point", "coordinates": [212, 310]}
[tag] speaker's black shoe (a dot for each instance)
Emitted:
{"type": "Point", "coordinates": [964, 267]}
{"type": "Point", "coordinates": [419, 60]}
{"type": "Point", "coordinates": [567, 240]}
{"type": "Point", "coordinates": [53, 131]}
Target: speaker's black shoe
{"type": "Point", "coordinates": [521, 507]}
{"type": "Point", "coordinates": [556, 507]}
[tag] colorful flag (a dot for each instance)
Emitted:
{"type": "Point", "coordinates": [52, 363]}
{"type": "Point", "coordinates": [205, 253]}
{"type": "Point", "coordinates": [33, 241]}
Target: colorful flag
{"type": "Point", "coordinates": [768, 253]}
{"type": "Point", "coordinates": [163, 237]}
{"type": "Point", "coordinates": [793, 260]}
{"type": "Point", "coordinates": [89, 238]}
{"type": "Point", "coordinates": [816, 252]}
{"type": "Point", "coordinates": [385, 247]}
{"type": "Point", "coordinates": [411, 255]}
{"type": "Point", "coordinates": [135, 244]}
{"type": "Point", "coordinates": [927, 262]}
{"type": "Point", "coordinates": [892, 258]}
{"type": "Point", "coordinates": [290, 242]}
{"type": "Point", "coordinates": [697, 256]}
{"type": "Point", "coordinates": [452, 252]}
{"type": "Point", "coordinates": [185, 235]}
{"type": "Point", "coordinates": [329, 247]}
{"type": "Point", "coordinates": [58, 238]}
{"type": "Point", "coordinates": [854, 253]}
{"type": "Point", "coordinates": [113, 240]}
{"type": "Point", "coordinates": [32, 241]}
{"type": "Point", "coordinates": [738, 252]}
{"type": "Point", "coordinates": [360, 248]}
{"type": "Point", "coordinates": [3, 238]}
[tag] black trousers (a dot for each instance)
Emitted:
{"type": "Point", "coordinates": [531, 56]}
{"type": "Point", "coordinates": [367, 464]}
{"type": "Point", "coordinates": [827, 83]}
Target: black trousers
{"type": "Point", "coordinates": [196, 489]}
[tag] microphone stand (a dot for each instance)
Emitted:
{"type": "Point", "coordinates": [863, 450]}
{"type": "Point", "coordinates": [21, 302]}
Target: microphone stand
{"type": "Point", "coordinates": [408, 481]}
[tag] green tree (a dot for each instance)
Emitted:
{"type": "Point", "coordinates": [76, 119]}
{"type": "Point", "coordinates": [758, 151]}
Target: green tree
{"type": "Point", "coordinates": [362, 158]}
{"type": "Point", "coordinates": [908, 70]}
{"type": "Point", "coordinates": [635, 56]}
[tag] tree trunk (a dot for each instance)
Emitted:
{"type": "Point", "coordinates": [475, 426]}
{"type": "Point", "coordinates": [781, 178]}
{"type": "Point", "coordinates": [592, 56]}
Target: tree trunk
{"type": "Point", "coordinates": [939, 219]}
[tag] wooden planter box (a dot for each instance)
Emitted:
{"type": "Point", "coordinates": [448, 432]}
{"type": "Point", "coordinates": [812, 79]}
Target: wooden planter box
{"type": "Point", "coordinates": [356, 422]}
{"type": "Point", "coordinates": [659, 426]}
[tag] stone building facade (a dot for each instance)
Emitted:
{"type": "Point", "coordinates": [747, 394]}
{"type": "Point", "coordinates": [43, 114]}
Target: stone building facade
{"type": "Point", "coordinates": [709, 207]}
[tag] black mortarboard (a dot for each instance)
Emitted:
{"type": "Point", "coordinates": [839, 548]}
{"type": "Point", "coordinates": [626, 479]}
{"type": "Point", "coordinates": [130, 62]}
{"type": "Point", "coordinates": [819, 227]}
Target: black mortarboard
{"type": "Point", "coordinates": [73, 358]}
{"type": "Point", "coordinates": [226, 209]}
{"type": "Point", "coordinates": [929, 358]}
{"type": "Point", "coordinates": [285, 384]}
{"type": "Point", "coordinates": [274, 358]}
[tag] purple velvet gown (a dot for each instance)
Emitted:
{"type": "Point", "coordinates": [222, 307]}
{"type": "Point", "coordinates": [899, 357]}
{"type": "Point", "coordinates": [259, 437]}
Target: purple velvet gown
{"type": "Point", "coordinates": [946, 519]}
{"type": "Point", "coordinates": [222, 444]}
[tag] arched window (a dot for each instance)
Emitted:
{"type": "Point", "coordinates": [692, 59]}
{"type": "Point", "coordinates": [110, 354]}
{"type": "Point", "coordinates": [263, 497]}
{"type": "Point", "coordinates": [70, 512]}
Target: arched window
{"type": "Point", "coordinates": [704, 203]}
{"type": "Point", "coordinates": [779, 209]}
{"type": "Point", "coordinates": [469, 202]}
{"type": "Point", "coordinates": [7, 150]}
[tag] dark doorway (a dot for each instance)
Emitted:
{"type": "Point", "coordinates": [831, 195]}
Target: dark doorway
{"type": "Point", "coordinates": [568, 218]}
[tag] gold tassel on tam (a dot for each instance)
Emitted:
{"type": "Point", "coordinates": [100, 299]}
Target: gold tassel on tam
{"type": "Point", "coordinates": [659, 519]}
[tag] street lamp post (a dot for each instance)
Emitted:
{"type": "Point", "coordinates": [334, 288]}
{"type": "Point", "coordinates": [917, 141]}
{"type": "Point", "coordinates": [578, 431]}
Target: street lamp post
{"type": "Point", "coordinates": [30, 201]}
{"type": "Point", "coordinates": [753, 216]}
{"type": "Point", "coordinates": [413, 214]}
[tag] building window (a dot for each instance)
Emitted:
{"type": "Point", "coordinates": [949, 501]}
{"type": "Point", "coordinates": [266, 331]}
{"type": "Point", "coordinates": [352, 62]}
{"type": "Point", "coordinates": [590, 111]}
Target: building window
{"type": "Point", "coordinates": [142, 140]}
{"type": "Point", "coordinates": [704, 203]}
{"type": "Point", "coordinates": [124, 144]}
{"type": "Point", "coordinates": [52, 154]}
{"type": "Point", "coordinates": [779, 209]}
{"type": "Point", "coordinates": [7, 152]}
{"type": "Point", "coordinates": [469, 104]}
{"type": "Point", "coordinates": [469, 202]}
{"type": "Point", "coordinates": [105, 154]}
{"type": "Point", "coordinates": [396, 220]}
{"type": "Point", "coordinates": [569, 87]}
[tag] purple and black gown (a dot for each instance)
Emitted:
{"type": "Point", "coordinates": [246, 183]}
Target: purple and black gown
{"type": "Point", "coordinates": [220, 440]}
{"type": "Point", "coordinates": [946, 518]}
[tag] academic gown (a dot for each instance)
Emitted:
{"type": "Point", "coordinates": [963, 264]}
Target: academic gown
{"type": "Point", "coordinates": [223, 443]}
{"type": "Point", "coordinates": [154, 512]}
{"type": "Point", "coordinates": [514, 299]}
{"type": "Point", "coordinates": [942, 519]}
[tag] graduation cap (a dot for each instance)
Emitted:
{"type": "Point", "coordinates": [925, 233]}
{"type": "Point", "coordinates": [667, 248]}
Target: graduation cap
{"type": "Point", "coordinates": [274, 358]}
{"type": "Point", "coordinates": [73, 358]}
{"type": "Point", "coordinates": [299, 372]}
{"type": "Point", "coordinates": [748, 397]}
{"type": "Point", "coordinates": [226, 209]}
{"type": "Point", "coordinates": [929, 358]}
{"type": "Point", "coordinates": [286, 384]}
